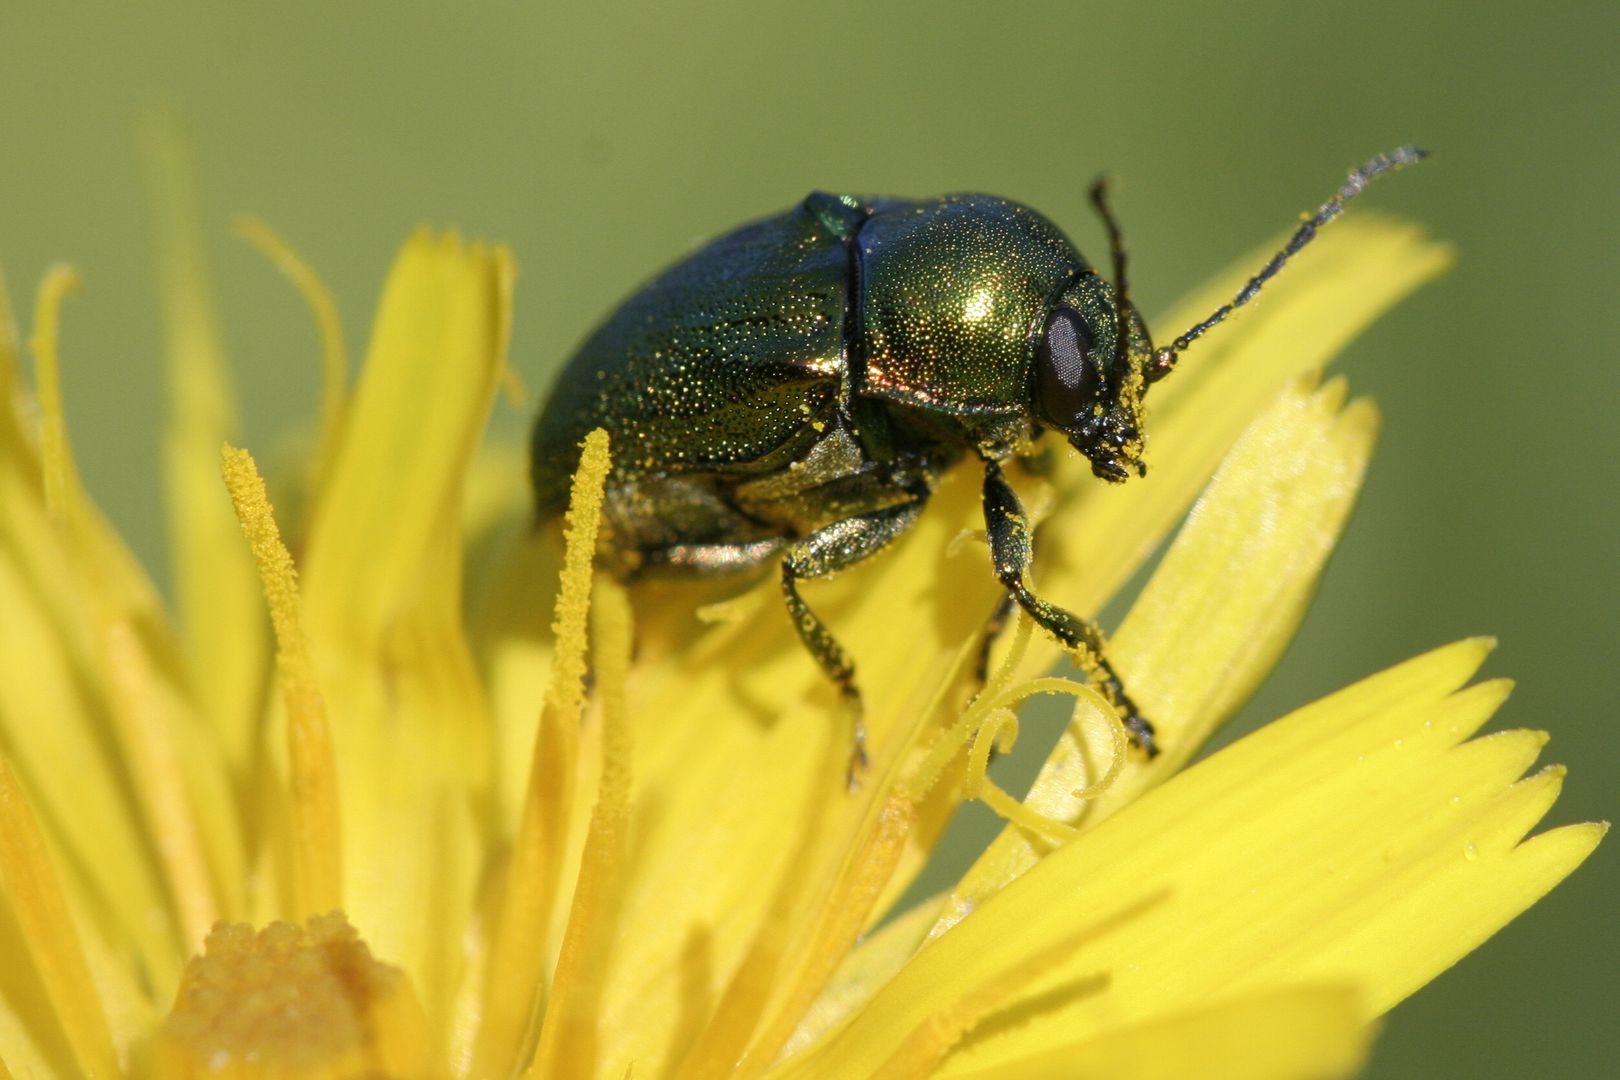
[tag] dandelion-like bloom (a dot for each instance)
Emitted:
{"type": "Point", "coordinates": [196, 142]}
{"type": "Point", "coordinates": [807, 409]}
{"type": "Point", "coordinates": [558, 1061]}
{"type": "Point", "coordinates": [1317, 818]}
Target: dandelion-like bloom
{"type": "Point", "coordinates": [385, 830]}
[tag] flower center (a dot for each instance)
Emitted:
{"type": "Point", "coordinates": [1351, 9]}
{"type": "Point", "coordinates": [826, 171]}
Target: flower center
{"type": "Point", "coordinates": [292, 1001]}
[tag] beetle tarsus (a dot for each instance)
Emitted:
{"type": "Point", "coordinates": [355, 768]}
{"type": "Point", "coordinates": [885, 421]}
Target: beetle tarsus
{"type": "Point", "coordinates": [1141, 733]}
{"type": "Point", "coordinates": [1137, 727]}
{"type": "Point", "coordinates": [856, 766]}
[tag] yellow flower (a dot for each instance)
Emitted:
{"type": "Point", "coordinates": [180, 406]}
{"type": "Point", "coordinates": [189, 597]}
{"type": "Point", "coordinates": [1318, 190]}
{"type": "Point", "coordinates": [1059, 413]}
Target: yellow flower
{"type": "Point", "coordinates": [384, 832]}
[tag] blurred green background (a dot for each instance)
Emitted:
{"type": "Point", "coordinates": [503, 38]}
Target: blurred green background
{"type": "Point", "coordinates": [602, 140]}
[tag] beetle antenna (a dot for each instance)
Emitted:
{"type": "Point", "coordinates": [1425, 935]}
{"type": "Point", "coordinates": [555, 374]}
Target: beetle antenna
{"type": "Point", "coordinates": [1116, 247]}
{"type": "Point", "coordinates": [1164, 361]}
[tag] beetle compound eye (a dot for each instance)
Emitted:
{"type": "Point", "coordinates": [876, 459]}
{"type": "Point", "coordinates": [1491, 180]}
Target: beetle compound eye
{"type": "Point", "coordinates": [1070, 381]}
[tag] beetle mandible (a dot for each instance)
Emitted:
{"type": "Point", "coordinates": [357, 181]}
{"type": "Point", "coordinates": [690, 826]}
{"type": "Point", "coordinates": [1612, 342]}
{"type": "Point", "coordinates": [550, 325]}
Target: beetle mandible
{"type": "Point", "coordinates": [797, 387]}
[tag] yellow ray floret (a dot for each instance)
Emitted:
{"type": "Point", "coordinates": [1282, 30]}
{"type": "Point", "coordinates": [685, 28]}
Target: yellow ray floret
{"type": "Point", "coordinates": [1318, 848]}
{"type": "Point", "coordinates": [46, 930]}
{"type": "Point", "coordinates": [218, 607]}
{"type": "Point", "coordinates": [1218, 611]}
{"type": "Point", "coordinates": [1301, 1033]}
{"type": "Point", "coordinates": [51, 656]}
{"type": "Point", "coordinates": [144, 710]}
{"type": "Point", "coordinates": [380, 576]}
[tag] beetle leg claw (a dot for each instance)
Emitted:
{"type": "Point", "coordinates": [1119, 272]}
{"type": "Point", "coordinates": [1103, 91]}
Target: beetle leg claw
{"type": "Point", "coordinates": [856, 768]}
{"type": "Point", "coordinates": [1136, 725]}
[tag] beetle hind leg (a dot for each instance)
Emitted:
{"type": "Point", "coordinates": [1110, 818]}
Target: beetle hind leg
{"type": "Point", "coordinates": [1008, 531]}
{"type": "Point", "coordinates": [821, 554]}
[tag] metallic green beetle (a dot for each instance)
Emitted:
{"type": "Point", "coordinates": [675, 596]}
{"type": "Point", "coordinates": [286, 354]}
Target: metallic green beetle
{"type": "Point", "coordinates": [796, 388]}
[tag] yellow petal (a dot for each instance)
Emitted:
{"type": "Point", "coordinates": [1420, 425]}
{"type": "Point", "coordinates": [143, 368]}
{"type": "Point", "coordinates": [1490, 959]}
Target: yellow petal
{"type": "Point", "coordinates": [123, 689]}
{"type": "Point", "coordinates": [46, 665]}
{"type": "Point", "coordinates": [1234, 585]}
{"type": "Point", "coordinates": [46, 931]}
{"type": "Point", "coordinates": [864, 971]}
{"type": "Point", "coordinates": [47, 659]}
{"type": "Point", "coordinates": [32, 1041]}
{"type": "Point", "coordinates": [217, 599]}
{"type": "Point", "coordinates": [1307, 1033]}
{"type": "Point", "coordinates": [382, 607]}
{"type": "Point", "coordinates": [1321, 847]}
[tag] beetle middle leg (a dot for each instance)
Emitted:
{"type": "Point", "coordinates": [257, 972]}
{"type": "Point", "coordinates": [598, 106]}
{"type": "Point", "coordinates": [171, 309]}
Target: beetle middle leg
{"type": "Point", "coordinates": [1008, 530]}
{"type": "Point", "coordinates": [824, 552]}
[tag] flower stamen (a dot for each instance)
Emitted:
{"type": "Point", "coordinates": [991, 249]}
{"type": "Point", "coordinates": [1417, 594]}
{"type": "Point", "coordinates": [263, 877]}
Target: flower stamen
{"type": "Point", "coordinates": [1000, 730]}
{"type": "Point", "coordinates": [517, 947]}
{"type": "Point", "coordinates": [316, 819]}
{"type": "Point", "coordinates": [949, 744]}
{"type": "Point", "coordinates": [568, 1039]}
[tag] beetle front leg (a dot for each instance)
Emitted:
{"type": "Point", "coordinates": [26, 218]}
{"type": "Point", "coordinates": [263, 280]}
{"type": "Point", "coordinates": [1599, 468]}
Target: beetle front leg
{"type": "Point", "coordinates": [824, 552]}
{"type": "Point", "coordinates": [1008, 531]}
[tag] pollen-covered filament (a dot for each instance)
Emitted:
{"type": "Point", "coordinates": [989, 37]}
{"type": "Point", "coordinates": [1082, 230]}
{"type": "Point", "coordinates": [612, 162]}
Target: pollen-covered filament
{"type": "Point", "coordinates": [991, 722]}
{"type": "Point", "coordinates": [997, 728]}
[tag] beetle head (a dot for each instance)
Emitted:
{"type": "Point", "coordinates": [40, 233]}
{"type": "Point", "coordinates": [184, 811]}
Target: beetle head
{"type": "Point", "coordinates": [1094, 359]}
{"type": "Point", "coordinates": [1089, 375]}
